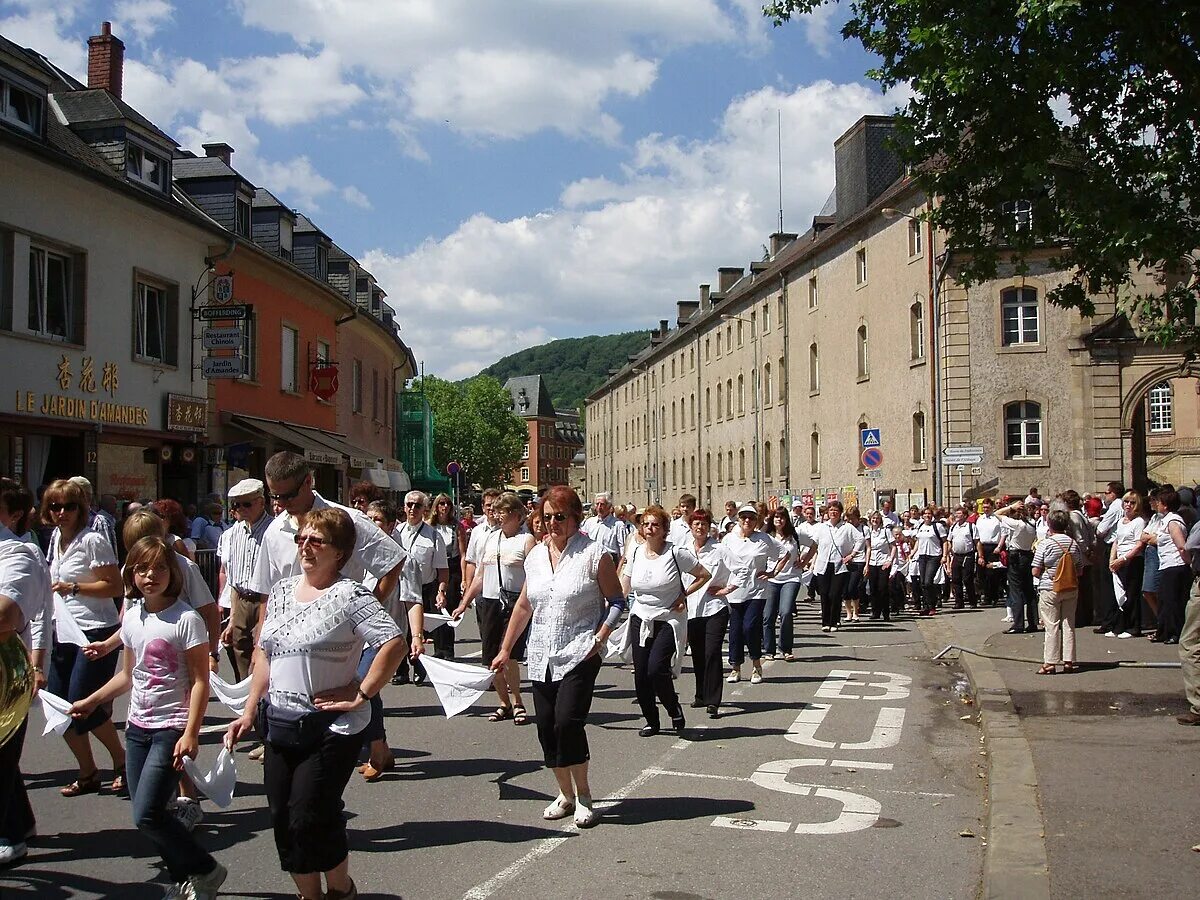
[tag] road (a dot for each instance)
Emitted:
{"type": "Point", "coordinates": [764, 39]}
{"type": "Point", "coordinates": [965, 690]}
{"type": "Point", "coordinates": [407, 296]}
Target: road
{"type": "Point", "coordinates": [847, 773]}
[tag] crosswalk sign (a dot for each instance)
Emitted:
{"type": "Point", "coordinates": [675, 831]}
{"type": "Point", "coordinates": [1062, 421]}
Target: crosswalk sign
{"type": "Point", "coordinates": [870, 437]}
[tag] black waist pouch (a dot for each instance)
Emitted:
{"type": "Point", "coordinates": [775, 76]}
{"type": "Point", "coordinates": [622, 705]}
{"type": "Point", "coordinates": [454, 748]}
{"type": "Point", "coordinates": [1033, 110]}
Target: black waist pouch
{"type": "Point", "coordinates": [293, 729]}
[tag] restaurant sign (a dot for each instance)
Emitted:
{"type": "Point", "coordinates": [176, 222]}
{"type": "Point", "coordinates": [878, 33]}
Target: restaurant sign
{"type": "Point", "coordinates": [76, 400]}
{"type": "Point", "coordinates": [186, 413]}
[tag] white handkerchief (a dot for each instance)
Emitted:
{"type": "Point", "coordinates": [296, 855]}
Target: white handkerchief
{"type": "Point", "coordinates": [232, 695]}
{"type": "Point", "coordinates": [219, 784]}
{"type": "Point", "coordinates": [806, 577]}
{"type": "Point", "coordinates": [458, 685]}
{"type": "Point", "coordinates": [615, 646]}
{"type": "Point", "coordinates": [433, 620]}
{"type": "Point", "coordinates": [56, 711]}
{"type": "Point", "coordinates": [66, 629]}
{"type": "Point", "coordinates": [1119, 591]}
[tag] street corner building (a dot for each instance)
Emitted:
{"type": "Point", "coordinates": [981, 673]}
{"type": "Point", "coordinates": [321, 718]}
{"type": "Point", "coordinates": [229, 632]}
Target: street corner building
{"type": "Point", "coordinates": [552, 454]}
{"type": "Point", "coordinates": [166, 325]}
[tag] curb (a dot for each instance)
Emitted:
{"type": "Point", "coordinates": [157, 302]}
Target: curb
{"type": "Point", "coordinates": [1015, 863]}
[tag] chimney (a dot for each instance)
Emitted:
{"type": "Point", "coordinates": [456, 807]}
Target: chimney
{"type": "Point", "coordinates": [759, 266]}
{"type": "Point", "coordinates": [686, 309]}
{"type": "Point", "coordinates": [779, 240]}
{"type": "Point", "coordinates": [728, 276]}
{"type": "Point", "coordinates": [106, 61]}
{"type": "Point", "coordinates": [664, 327]}
{"type": "Point", "coordinates": [219, 151]}
{"type": "Point", "coordinates": [705, 301]}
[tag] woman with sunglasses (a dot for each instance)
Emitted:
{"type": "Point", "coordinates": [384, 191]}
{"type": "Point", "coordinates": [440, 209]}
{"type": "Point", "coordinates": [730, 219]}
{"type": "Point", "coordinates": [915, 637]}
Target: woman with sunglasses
{"type": "Point", "coordinates": [783, 588]}
{"type": "Point", "coordinates": [84, 574]}
{"type": "Point", "coordinates": [441, 517]}
{"type": "Point", "coordinates": [1127, 565]}
{"type": "Point", "coordinates": [748, 555]}
{"type": "Point", "coordinates": [569, 579]}
{"type": "Point", "coordinates": [316, 627]}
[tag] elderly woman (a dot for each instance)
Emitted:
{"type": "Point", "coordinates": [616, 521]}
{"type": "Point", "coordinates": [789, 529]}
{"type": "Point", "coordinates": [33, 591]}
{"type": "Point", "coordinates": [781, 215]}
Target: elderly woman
{"type": "Point", "coordinates": [568, 581]}
{"type": "Point", "coordinates": [497, 585]}
{"type": "Point", "coordinates": [837, 543]}
{"type": "Point", "coordinates": [748, 554]}
{"type": "Point", "coordinates": [1019, 537]}
{"type": "Point", "coordinates": [653, 581]}
{"type": "Point", "coordinates": [441, 517]}
{"type": "Point", "coordinates": [881, 553]}
{"type": "Point", "coordinates": [1058, 592]}
{"type": "Point", "coordinates": [316, 709]}
{"type": "Point", "coordinates": [84, 574]}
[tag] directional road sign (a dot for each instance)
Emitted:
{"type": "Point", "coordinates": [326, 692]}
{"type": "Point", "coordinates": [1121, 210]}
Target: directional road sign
{"type": "Point", "coordinates": [957, 456]}
{"type": "Point", "coordinates": [869, 437]}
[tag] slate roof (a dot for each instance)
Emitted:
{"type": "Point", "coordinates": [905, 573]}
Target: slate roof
{"type": "Point", "coordinates": [264, 199]}
{"type": "Point", "coordinates": [203, 167]}
{"type": "Point", "coordinates": [530, 397]}
{"type": "Point", "coordinates": [305, 224]}
{"type": "Point", "coordinates": [97, 106]}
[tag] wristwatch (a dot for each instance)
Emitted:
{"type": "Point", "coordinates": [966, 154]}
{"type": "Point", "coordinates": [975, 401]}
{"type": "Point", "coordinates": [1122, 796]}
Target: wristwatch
{"type": "Point", "coordinates": [215, 654]}
{"type": "Point", "coordinates": [74, 588]}
{"type": "Point", "coordinates": [362, 694]}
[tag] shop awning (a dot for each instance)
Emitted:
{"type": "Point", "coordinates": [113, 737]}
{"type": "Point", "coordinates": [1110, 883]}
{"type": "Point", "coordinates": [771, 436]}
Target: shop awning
{"type": "Point", "coordinates": [377, 477]}
{"type": "Point", "coordinates": [289, 433]}
{"type": "Point", "coordinates": [400, 481]}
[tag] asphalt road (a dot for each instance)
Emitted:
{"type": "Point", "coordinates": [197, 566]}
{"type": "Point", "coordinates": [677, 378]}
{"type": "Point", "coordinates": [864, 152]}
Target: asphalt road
{"type": "Point", "coordinates": [847, 773]}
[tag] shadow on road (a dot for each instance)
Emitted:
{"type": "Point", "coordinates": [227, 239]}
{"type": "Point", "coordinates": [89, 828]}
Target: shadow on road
{"type": "Point", "coordinates": [645, 810]}
{"type": "Point", "coordinates": [416, 835]}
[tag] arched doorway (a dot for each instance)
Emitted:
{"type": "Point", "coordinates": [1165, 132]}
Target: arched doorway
{"type": "Point", "coordinates": [1164, 431]}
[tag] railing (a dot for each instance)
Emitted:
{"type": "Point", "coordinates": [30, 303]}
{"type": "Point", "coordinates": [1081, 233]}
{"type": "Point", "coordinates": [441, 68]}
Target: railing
{"type": "Point", "coordinates": [210, 566]}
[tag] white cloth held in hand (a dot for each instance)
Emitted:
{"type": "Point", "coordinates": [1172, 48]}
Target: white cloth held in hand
{"type": "Point", "coordinates": [57, 712]}
{"type": "Point", "coordinates": [616, 644]}
{"type": "Point", "coordinates": [1119, 590]}
{"type": "Point", "coordinates": [66, 629]}
{"type": "Point", "coordinates": [434, 620]}
{"type": "Point", "coordinates": [232, 695]}
{"type": "Point", "coordinates": [219, 783]}
{"type": "Point", "coordinates": [458, 685]}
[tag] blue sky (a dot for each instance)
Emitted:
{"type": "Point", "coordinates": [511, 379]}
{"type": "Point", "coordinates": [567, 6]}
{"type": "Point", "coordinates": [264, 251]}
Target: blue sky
{"type": "Point", "coordinates": [510, 170]}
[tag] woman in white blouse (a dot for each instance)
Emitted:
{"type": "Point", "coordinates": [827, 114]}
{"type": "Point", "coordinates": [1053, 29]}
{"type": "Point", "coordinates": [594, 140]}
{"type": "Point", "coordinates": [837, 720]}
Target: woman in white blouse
{"type": "Point", "coordinates": [1127, 563]}
{"type": "Point", "coordinates": [881, 553]}
{"type": "Point", "coordinates": [1174, 567]}
{"type": "Point", "coordinates": [783, 588]}
{"type": "Point", "coordinates": [837, 543]}
{"type": "Point", "coordinates": [708, 615]}
{"type": "Point", "coordinates": [568, 581]}
{"type": "Point", "coordinates": [84, 574]}
{"type": "Point", "coordinates": [748, 555]}
{"type": "Point", "coordinates": [312, 638]}
{"type": "Point", "coordinates": [653, 581]}
{"type": "Point", "coordinates": [856, 583]}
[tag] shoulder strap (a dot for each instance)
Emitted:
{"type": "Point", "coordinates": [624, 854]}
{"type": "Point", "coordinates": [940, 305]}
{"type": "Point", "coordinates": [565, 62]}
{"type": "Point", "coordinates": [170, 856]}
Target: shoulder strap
{"type": "Point", "coordinates": [678, 572]}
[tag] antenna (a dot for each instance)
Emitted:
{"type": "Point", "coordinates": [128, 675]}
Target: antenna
{"type": "Point", "coordinates": [779, 155]}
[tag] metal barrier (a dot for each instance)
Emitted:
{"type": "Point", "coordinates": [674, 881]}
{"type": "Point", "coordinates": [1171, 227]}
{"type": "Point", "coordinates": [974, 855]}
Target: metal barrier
{"type": "Point", "coordinates": [209, 566]}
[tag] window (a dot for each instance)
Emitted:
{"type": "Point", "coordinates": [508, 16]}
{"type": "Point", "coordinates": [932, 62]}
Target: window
{"type": "Point", "coordinates": [707, 350]}
{"type": "Point", "coordinates": [1159, 408]}
{"type": "Point", "coordinates": [674, 473]}
{"type": "Point", "coordinates": [741, 465]}
{"type": "Point", "coordinates": [241, 223]}
{"type": "Point", "coordinates": [741, 395]}
{"type": "Point", "coordinates": [729, 464]}
{"type": "Point", "coordinates": [718, 343]}
{"type": "Point", "coordinates": [864, 360]}
{"type": "Point", "coordinates": [662, 420]}
{"type": "Point", "coordinates": [862, 426]}
{"type": "Point", "coordinates": [674, 428]}
{"type": "Point", "coordinates": [285, 238]}
{"type": "Point", "coordinates": [708, 468]}
{"type": "Point", "coordinates": [729, 337]}
{"type": "Point", "coordinates": [814, 452]}
{"type": "Point", "coordinates": [753, 325]}
{"type": "Point", "coordinates": [720, 467]}
{"type": "Point", "coordinates": [708, 404]}
{"type": "Point", "coordinates": [1019, 316]}
{"type": "Point", "coordinates": [356, 403]}
{"type": "Point", "coordinates": [145, 167]}
{"type": "Point", "coordinates": [782, 379]}
{"type": "Point", "coordinates": [20, 108]}
{"type": "Point", "coordinates": [1022, 213]}
{"type": "Point", "coordinates": [672, 368]}
{"type": "Point", "coordinates": [729, 398]}
{"type": "Point", "coordinates": [155, 325]}
{"type": "Point", "coordinates": [812, 292]}
{"type": "Point", "coordinates": [52, 295]}
{"type": "Point", "coordinates": [918, 439]}
{"type": "Point", "coordinates": [766, 317]}
{"type": "Point", "coordinates": [374, 395]}
{"type": "Point", "coordinates": [814, 369]}
{"type": "Point", "coordinates": [766, 382]}
{"type": "Point", "coordinates": [323, 261]}
{"type": "Point", "coordinates": [914, 237]}
{"type": "Point", "coordinates": [692, 406]}
{"type": "Point", "coordinates": [860, 266]}
{"type": "Point", "coordinates": [1023, 430]}
{"type": "Point", "coordinates": [525, 451]}
{"type": "Point", "coordinates": [916, 329]}
{"type": "Point", "coordinates": [741, 333]}
{"type": "Point", "coordinates": [767, 459]}
{"type": "Point", "coordinates": [250, 348]}
{"type": "Point", "coordinates": [525, 474]}
{"type": "Point", "coordinates": [288, 358]}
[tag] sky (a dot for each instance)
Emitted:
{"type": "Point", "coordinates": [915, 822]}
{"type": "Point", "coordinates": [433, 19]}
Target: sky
{"type": "Point", "coordinates": [511, 171]}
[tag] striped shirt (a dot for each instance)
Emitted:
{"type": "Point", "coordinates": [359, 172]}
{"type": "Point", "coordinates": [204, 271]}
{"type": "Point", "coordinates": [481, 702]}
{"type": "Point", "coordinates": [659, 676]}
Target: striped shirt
{"type": "Point", "coordinates": [243, 541]}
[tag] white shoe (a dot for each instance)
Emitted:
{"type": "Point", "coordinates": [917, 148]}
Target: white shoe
{"type": "Point", "coordinates": [734, 677]}
{"type": "Point", "coordinates": [756, 677]}
{"type": "Point", "coordinates": [205, 887]}
{"type": "Point", "coordinates": [1125, 634]}
{"type": "Point", "coordinates": [188, 812]}
{"type": "Point", "coordinates": [824, 627]}
{"type": "Point", "coordinates": [585, 816]}
{"type": "Point", "coordinates": [257, 753]}
{"type": "Point", "coordinates": [559, 809]}
{"type": "Point", "coordinates": [833, 628]}
{"type": "Point", "coordinates": [1110, 634]}
{"type": "Point", "coordinates": [1007, 618]}
{"type": "Point", "coordinates": [10, 853]}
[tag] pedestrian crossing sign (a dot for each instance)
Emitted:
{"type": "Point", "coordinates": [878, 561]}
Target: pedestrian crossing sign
{"type": "Point", "coordinates": [870, 437]}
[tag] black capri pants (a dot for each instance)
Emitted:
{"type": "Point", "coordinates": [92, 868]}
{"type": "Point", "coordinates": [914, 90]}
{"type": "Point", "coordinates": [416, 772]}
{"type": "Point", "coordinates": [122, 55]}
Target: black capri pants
{"type": "Point", "coordinates": [73, 676]}
{"type": "Point", "coordinates": [562, 709]}
{"type": "Point", "coordinates": [652, 670]}
{"type": "Point", "coordinates": [304, 791]}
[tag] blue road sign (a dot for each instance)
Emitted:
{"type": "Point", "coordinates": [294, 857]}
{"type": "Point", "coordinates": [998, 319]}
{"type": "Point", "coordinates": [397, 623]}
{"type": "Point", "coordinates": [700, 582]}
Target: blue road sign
{"type": "Point", "coordinates": [872, 458]}
{"type": "Point", "coordinates": [869, 437]}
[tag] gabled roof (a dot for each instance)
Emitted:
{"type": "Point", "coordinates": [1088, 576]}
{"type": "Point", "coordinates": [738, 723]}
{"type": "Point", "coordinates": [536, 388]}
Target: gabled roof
{"type": "Point", "coordinates": [98, 107]}
{"type": "Point", "coordinates": [264, 199]}
{"type": "Point", "coordinates": [530, 397]}
{"type": "Point", "coordinates": [304, 224]}
{"type": "Point", "coordinates": [204, 167]}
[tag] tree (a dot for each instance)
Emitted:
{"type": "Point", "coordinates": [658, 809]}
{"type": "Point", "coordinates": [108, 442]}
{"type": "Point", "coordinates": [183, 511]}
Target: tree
{"type": "Point", "coordinates": [1114, 184]}
{"type": "Point", "coordinates": [473, 423]}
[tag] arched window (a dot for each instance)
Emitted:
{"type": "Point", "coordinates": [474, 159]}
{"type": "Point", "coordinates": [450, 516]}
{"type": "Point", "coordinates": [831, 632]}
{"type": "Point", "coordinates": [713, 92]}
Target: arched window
{"type": "Point", "coordinates": [729, 463]}
{"type": "Point", "coordinates": [692, 404]}
{"type": "Point", "coordinates": [741, 394]}
{"type": "Point", "coordinates": [864, 359]}
{"type": "Point", "coordinates": [720, 467]}
{"type": "Point", "coordinates": [708, 406]}
{"type": "Point", "coordinates": [1023, 430]}
{"type": "Point", "coordinates": [729, 398]}
{"type": "Point", "coordinates": [708, 468]}
{"type": "Point", "coordinates": [918, 438]}
{"type": "Point", "coordinates": [916, 329]}
{"type": "Point", "coordinates": [814, 452]}
{"type": "Point", "coordinates": [782, 380]}
{"type": "Point", "coordinates": [1160, 413]}
{"type": "Point", "coordinates": [674, 475]}
{"type": "Point", "coordinates": [673, 428]}
{"type": "Point", "coordinates": [662, 420]}
{"type": "Point", "coordinates": [767, 460]}
{"type": "Point", "coordinates": [862, 426]}
{"type": "Point", "coordinates": [692, 480]}
{"type": "Point", "coordinates": [1019, 316]}
{"type": "Point", "coordinates": [814, 369]}
{"type": "Point", "coordinates": [783, 459]}
{"type": "Point", "coordinates": [741, 465]}
{"type": "Point", "coordinates": [766, 384]}
{"type": "Point", "coordinates": [718, 401]}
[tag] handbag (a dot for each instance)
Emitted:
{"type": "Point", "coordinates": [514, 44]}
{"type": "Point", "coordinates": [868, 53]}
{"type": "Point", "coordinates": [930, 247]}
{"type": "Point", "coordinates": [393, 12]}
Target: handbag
{"type": "Point", "coordinates": [508, 599]}
{"type": "Point", "coordinates": [294, 729]}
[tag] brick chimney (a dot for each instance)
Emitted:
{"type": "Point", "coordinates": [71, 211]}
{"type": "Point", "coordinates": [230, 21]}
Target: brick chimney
{"type": "Point", "coordinates": [728, 276]}
{"type": "Point", "coordinates": [220, 151]}
{"type": "Point", "coordinates": [106, 60]}
{"type": "Point", "coordinates": [705, 302]}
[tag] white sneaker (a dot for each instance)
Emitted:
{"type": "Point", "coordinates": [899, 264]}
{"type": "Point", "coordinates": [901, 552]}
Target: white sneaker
{"type": "Point", "coordinates": [824, 627]}
{"type": "Point", "coordinates": [585, 816]}
{"type": "Point", "coordinates": [10, 853]}
{"type": "Point", "coordinates": [734, 677]}
{"type": "Point", "coordinates": [188, 812]}
{"type": "Point", "coordinates": [559, 809]}
{"type": "Point", "coordinates": [1007, 618]}
{"type": "Point", "coordinates": [833, 628]}
{"type": "Point", "coordinates": [1110, 634]}
{"type": "Point", "coordinates": [205, 887]}
{"type": "Point", "coordinates": [1125, 634]}
{"type": "Point", "coordinates": [756, 677]}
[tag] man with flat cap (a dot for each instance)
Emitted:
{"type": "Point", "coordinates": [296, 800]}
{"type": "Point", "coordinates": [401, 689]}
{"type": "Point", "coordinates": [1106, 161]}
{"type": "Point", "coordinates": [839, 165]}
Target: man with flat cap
{"type": "Point", "coordinates": [238, 552]}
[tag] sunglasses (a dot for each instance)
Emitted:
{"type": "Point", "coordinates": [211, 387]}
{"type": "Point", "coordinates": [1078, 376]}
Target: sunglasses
{"type": "Point", "coordinates": [410, 505]}
{"type": "Point", "coordinates": [64, 507]}
{"type": "Point", "coordinates": [555, 517]}
{"type": "Point", "coordinates": [316, 542]}
{"type": "Point", "coordinates": [290, 495]}
{"type": "Point", "coordinates": [241, 504]}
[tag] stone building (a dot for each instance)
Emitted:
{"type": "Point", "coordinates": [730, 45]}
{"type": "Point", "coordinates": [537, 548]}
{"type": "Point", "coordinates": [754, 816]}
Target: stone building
{"type": "Point", "coordinates": [555, 438]}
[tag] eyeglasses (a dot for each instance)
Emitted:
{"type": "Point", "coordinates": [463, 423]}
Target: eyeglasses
{"type": "Point", "coordinates": [145, 570]}
{"type": "Point", "coordinates": [241, 504]}
{"type": "Point", "coordinates": [316, 542]}
{"type": "Point", "coordinates": [652, 523]}
{"type": "Point", "coordinates": [555, 517]}
{"type": "Point", "coordinates": [290, 495]}
{"type": "Point", "coordinates": [64, 507]}
{"type": "Point", "coordinates": [413, 504]}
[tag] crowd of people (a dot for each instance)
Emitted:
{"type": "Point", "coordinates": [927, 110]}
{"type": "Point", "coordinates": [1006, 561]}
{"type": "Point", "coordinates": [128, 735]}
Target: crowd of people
{"type": "Point", "coordinates": [319, 605]}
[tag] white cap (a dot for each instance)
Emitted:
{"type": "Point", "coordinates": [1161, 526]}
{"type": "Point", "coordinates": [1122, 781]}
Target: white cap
{"type": "Point", "coordinates": [246, 487]}
{"type": "Point", "coordinates": [749, 508]}
{"type": "Point", "coordinates": [797, 502]}
{"type": "Point", "coordinates": [82, 482]}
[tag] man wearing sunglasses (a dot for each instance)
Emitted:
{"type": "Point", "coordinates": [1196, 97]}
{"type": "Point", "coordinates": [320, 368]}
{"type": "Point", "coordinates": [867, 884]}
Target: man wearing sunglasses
{"type": "Point", "coordinates": [424, 574]}
{"type": "Point", "coordinates": [238, 552]}
{"type": "Point", "coordinates": [290, 483]}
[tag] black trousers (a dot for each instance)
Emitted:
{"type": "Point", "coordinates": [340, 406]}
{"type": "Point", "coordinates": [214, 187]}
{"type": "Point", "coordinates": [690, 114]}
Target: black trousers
{"type": "Point", "coordinates": [899, 587]}
{"type": "Point", "coordinates": [443, 635]}
{"type": "Point", "coordinates": [652, 670]}
{"type": "Point", "coordinates": [1130, 618]}
{"type": "Point", "coordinates": [962, 573]}
{"type": "Point", "coordinates": [1022, 597]}
{"type": "Point", "coordinates": [880, 590]}
{"type": "Point", "coordinates": [1173, 586]}
{"type": "Point", "coordinates": [562, 708]}
{"type": "Point", "coordinates": [304, 791]}
{"type": "Point", "coordinates": [16, 815]}
{"type": "Point", "coordinates": [831, 586]}
{"type": "Point", "coordinates": [992, 579]}
{"type": "Point", "coordinates": [706, 636]}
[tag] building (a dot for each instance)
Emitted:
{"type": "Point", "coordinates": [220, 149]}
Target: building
{"type": "Point", "coordinates": [99, 255]}
{"type": "Point", "coordinates": [555, 437]}
{"type": "Point", "coordinates": [858, 331]}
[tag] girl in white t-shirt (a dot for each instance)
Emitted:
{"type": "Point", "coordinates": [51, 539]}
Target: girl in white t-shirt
{"type": "Point", "coordinates": [166, 670]}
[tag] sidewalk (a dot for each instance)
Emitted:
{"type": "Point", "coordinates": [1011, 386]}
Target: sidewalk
{"type": "Point", "coordinates": [1116, 778]}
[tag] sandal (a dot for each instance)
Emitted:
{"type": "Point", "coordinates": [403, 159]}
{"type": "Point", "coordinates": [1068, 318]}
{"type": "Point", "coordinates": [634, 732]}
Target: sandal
{"type": "Point", "coordinates": [1047, 670]}
{"type": "Point", "coordinates": [1070, 667]}
{"type": "Point", "coordinates": [88, 785]}
{"type": "Point", "coordinates": [520, 716]}
{"type": "Point", "coordinates": [118, 782]}
{"type": "Point", "coordinates": [501, 713]}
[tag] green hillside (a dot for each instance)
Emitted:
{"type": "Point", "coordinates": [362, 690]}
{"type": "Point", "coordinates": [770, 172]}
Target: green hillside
{"type": "Point", "coordinates": [572, 367]}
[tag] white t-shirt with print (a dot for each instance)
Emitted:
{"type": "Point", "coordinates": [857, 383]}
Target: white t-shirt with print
{"type": "Point", "coordinates": [76, 562]}
{"type": "Point", "coordinates": [159, 642]}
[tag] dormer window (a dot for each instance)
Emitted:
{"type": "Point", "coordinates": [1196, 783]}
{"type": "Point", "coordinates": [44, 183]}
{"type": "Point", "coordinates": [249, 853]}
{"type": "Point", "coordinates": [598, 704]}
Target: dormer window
{"type": "Point", "coordinates": [322, 261]}
{"type": "Point", "coordinates": [285, 238]}
{"type": "Point", "coordinates": [20, 107]}
{"type": "Point", "coordinates": [242, 222]}
{"type": "Point", "coordinates": [145, 167]}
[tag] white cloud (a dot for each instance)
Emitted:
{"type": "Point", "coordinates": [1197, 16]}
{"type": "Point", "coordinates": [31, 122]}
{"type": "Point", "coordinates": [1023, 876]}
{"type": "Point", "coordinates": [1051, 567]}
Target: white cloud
{"type": "Point", "coordinates": [619, 252]}
{"type": "Point", "coordinates": [142, 17]}
{"type": "Point", "coordinates": [295, 179]}
{"type": "Point", "coordinates": [355, 197]}
{"type": "Point", "coordinates": [819, 29]}
{"type": "Point", "coordinates": [45, 27]}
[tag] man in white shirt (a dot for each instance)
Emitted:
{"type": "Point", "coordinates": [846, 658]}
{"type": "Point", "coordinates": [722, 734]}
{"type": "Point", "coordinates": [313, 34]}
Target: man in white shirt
{"type": "Point", "coordinates": [965, 550]}
{"type": "Point", "coordinates": [603, 526]}
{"type": "Point", "coordinates": [239, 546]}
{"type": "Point", "coordinates": [730, 519]}
{"type": "Point", "coordinates": [681, 528]}
{"type": "Point", "coordinates": [889, 515]}
{"type": "Point", "coordinates": [479, 535]}
{"type": "Point", "coordinates": [990, 531]}
{"type": "Point", "coordinates": [425, 574]}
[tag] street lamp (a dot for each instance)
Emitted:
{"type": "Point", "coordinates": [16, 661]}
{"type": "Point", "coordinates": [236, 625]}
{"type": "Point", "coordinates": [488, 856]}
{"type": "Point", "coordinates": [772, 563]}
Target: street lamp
{"type": "Point", "coordinates": [754, 393]}
{"type": "Point", "coordinates": [644, 369]}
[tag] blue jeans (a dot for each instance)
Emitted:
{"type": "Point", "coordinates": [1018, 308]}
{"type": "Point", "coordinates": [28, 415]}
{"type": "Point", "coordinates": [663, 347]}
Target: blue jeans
{"type": "Point", "coordinates": [745, 630]}
{"type": "Point", "coordinates": [73, 676]}
{"type": "Point", "coordinates": [780, 602]}
{"type": "Point", "coordinates": [149, 767]}
{"type": "Point", "coordinates": [375, 729]}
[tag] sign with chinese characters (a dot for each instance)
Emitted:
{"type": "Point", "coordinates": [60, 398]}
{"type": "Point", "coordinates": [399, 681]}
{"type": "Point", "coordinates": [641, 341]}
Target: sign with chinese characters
{"type": "Point", "coordinates": [187, 413]}
{"type": "Point", "coordinates": [78, 383]}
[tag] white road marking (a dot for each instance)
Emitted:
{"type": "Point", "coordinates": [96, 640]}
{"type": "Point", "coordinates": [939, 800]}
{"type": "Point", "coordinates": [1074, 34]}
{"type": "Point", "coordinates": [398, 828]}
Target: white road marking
{"type": "Point", "coordinates": [742, 778]}
{"type": "Point", "coordinates": [752, 824]}
{"type": "Point", "coordinates": [888, 725]}
{"type": "Point", "coordinates": [833, 688]}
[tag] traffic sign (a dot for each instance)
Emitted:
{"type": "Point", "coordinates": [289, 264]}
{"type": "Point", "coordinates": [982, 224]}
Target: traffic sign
{"type": "Point", "coordinates": [232, 311]}
{"type": "Point", "coordinates": [229, 338]}
{"type": "Point", "coordinates": [872, 458]}
{"type": "Point", "coordinates": [869, 437]}
{"type": "Point", "coordinates": [222, 367]}
{"type": "Point", "coordinates": [873, 473]}
{"type": "Point", "coordinates": [453, 468]}
{"type": "Point", "coordinates": [958, 456]}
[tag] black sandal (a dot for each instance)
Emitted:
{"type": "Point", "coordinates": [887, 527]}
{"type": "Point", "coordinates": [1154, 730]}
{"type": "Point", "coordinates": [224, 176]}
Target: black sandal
{"type": "Point", "coordinates": [501, 713]}
{"type": "Point", "coordinates": [520, 716]}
